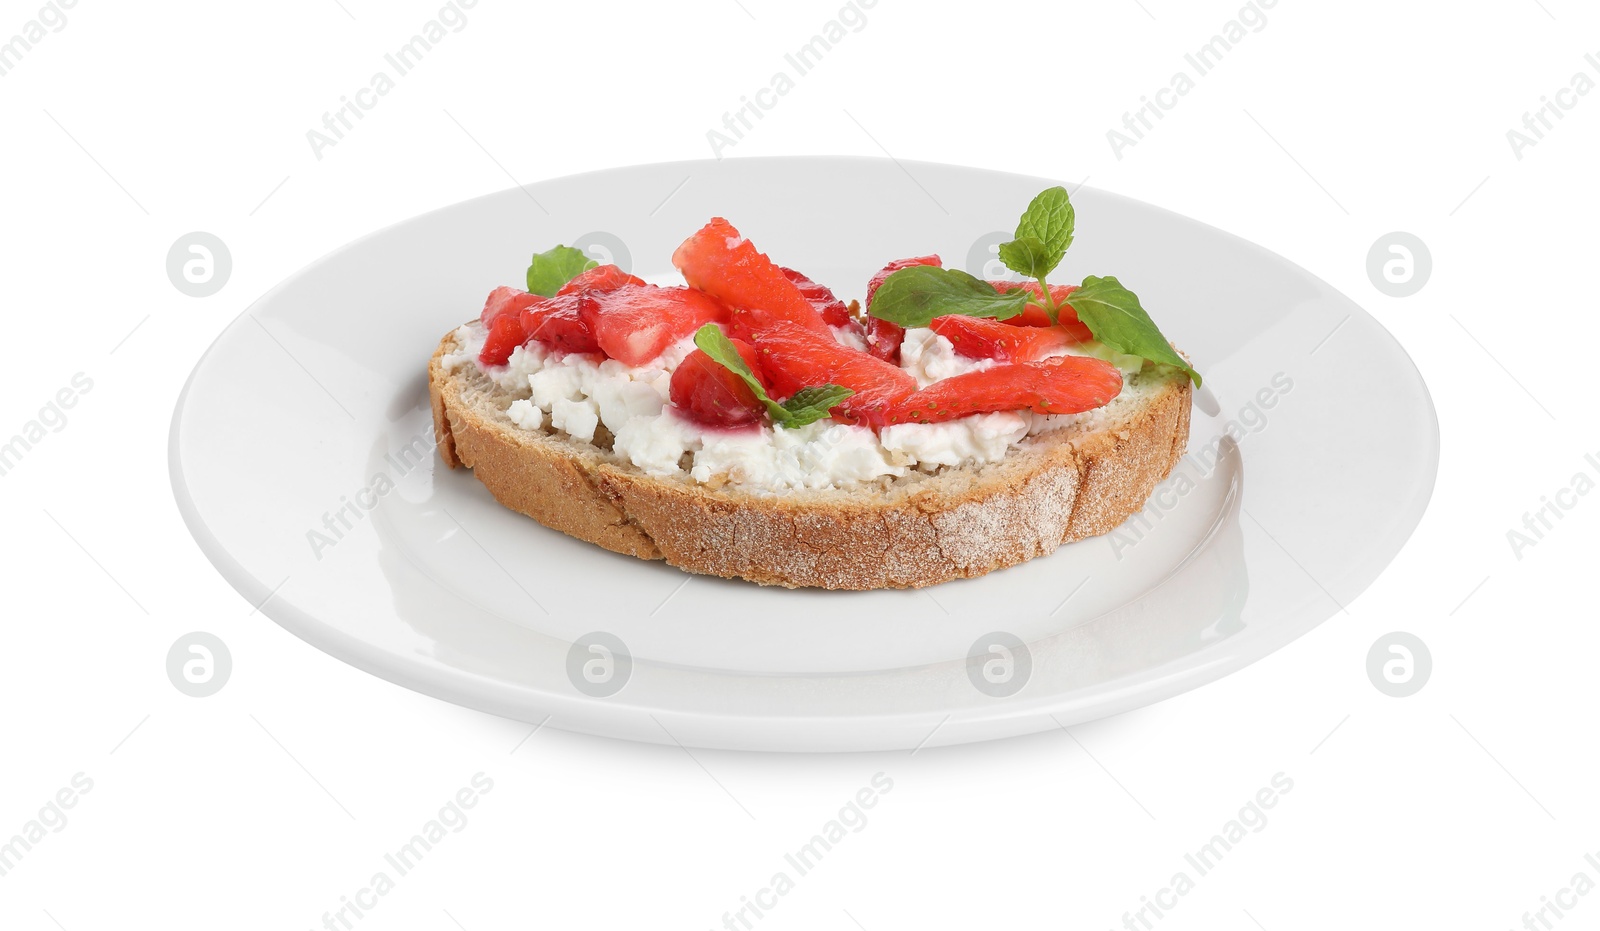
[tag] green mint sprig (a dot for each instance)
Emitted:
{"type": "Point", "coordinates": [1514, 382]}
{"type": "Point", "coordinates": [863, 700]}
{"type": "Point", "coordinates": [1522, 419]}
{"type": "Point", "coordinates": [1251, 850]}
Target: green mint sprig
{"type": "Point", "coordinates": [551, 269]}
{"type": "Point", "coordinates": [1113, 314]}
{"type": "Point", "coordinates": [914, 296]}
{"type": "Point", "coordinates": [1043, 234]}
{"type": "Point", "coordinates": [807, 406]}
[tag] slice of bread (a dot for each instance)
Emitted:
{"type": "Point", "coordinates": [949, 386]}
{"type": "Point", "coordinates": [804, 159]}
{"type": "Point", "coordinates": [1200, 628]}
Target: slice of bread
{"type": "Point", "coordinates": [920, 529]}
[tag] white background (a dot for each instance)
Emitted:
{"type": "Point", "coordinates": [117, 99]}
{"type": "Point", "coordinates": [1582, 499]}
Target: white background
{"type": "Point", "coordinates": [262, 806]}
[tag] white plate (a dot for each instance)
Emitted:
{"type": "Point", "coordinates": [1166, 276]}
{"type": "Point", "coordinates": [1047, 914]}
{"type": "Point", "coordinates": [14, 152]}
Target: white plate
{"type": "Point", "coordinates": [1312, 456]}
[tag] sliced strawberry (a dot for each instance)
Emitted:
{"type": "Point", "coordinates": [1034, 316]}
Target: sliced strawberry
{"type": "Point", "coordinates": [978, 338]}
{"type": "Point", "coordinates": [599, 278]}
{"type": "Point", "coordinates": [1035, 314]}
{"type": "Point", "coordinates": [833, 310]}
{"type": "Point", "coordinates": [1032, 315]}
{"type": "Point", "coordinates": [706, 392]}
{"type": "Point", "coordinates": [506, 301]}
{"type": "Point", "coordinates": [558, 323]}
{"type": "Point", "coordinates": [505, 335]}
{"type": "Point", "coordinates": [1063, 385]}
{"type": "Point", "coordinates": [795, 357]}
{"type": "Point", "coordinates": [636, 322]}
{"type": "Point", "coordinates": [741, 326]}
{"type": "Point", "coordinates": [725, 265]}
{"type": "Point", "coordinates": [883, 337]}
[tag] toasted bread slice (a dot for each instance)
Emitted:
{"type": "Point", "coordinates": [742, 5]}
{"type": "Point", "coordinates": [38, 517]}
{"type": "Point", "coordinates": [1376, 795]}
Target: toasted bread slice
{"type": "Point", "coordinates": [906, 532]}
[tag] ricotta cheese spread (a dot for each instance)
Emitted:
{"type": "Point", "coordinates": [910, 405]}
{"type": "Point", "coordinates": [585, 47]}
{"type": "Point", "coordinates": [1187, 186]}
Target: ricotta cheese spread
{"type": "Point", "coordinates": [578, 394]}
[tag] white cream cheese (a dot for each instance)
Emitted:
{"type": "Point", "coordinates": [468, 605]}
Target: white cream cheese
{"type": "Point", "coordinates": [525, 415]}
{"type": "Point", "coordinates": [850, 336]}
{"type": "Point", "coordinates": [930, 357]}
{"type": "Point", "coordinates": [577, 394]}
{"type": "Point", "coordinates": [824, 454]}
{"type": "Point", "coordinates": [974, 438]}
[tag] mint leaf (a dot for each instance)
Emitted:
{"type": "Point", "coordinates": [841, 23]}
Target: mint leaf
{"type": "Point", "coordinates": [808, 405]}
{"type": "Point", "coordinates": [1029, 256]}
{"type": "Point", "coordinates": [912, 297]}
{"type": "Point", "coordinates": [1112, 313]}
{"type": "Point", "coordinates": [1049, 219]}
{"type": "Point", "coordinates": [714, 343]}
{"type": "Point", "coordinates": [1042, 237]}
{"type": "Point", "coordinates": [550, 270]}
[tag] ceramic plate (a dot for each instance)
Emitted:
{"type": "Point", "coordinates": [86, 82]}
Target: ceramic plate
{"type": "Point", "coordinates": [302, 460]}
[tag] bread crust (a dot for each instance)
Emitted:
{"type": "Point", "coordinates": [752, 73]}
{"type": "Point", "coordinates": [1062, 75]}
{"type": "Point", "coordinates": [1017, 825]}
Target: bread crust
{"type": "Point", "coordinates": [1060, 487]}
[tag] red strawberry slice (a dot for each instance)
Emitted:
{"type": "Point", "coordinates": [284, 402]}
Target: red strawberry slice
{"type": "Point", "coordinates": [795, 357]}
{"type": "Point", "coordinates": [706, 392]}
{"type": "Point", "coordinates": [505, 335]}
{"type": "Point", "coordinates": [1063, 385]}
{"type": "Point", "coordinates": [558, 323]}
{"type": "Point", "coordinates": [725, 265]}
{"type": "Point", "coordinates": [883, 337]}
{"type": "Point", "coordinates": [636, 322]}
{"type": "Point", "coordinates": [1035, 314]}
{"type": "Point", "coordinates": [741, 326]}
{"type": "Point", "coordinates": [833, 311]}
{"type": "Point", "coordinates": [978, 338]}
{"type": "Point", "coordinates": [599, 278]}
{"type": "Point", "coordinates": [506, 301]}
